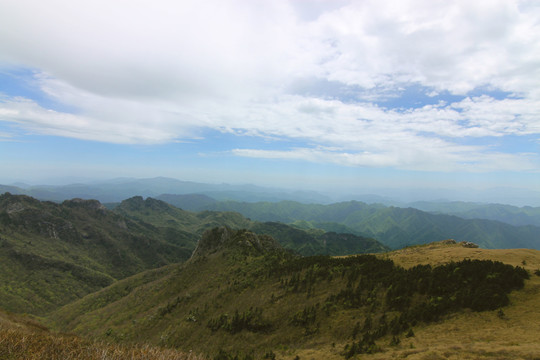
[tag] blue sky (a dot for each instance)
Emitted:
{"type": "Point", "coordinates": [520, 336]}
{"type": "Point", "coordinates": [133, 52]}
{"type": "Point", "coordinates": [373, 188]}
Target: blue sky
{"type": "Point", "coordinates": [317, 95]}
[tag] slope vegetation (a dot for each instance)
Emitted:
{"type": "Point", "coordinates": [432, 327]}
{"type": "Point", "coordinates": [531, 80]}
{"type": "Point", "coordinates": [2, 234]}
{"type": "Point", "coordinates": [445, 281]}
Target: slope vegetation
{"type": "Point", "coordinates": [52, 254]}
{"type": "Point", "coordinates": [177, 224]}
{"type": "Point", "coordinates": [241, 294]}
{"type": "Point", "coordinates": [507, 334]}
{"type": "Point", "coordinates": [24, 338]}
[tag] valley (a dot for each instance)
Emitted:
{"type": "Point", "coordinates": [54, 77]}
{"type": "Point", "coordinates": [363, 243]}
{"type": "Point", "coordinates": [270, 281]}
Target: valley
{"type": "Point", "coordinates": [145, 277]}
{"type": "Point", "coordinates": [54, 253]}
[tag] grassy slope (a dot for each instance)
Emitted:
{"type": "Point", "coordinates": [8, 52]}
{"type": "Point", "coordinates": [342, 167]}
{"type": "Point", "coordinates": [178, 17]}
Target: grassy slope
{"type": "Point", "coordinates": [477, 335]}
{"type": "Point", "coordinates": [23, 338]}
{"type": "Point", "coordinates": [173, 308]}
{"type": "Point", "coordinates": [170, 307]}
{"type": "Point", "coordinates": [467, 334]}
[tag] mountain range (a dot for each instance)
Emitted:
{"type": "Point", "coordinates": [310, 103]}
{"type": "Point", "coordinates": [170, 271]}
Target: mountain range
{"type": "Point", "coordinates": [116, 190]}
{"type": "Point", "coordinates": [147, 274]}
{"type": "Point", "coordinates": [393, 226]}
{"type": "Point", "coordinates": [53, 253]}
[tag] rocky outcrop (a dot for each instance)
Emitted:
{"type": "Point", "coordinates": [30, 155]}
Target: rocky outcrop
{"type": "Point", "coordinates": [223, 238]}
{"type": "Point", "coordinates": [468, 244]}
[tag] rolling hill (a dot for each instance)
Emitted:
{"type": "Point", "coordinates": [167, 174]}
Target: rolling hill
{"type": "Point", "coordinates": [242, 295]}
{"type": "Point", "coordinates": [318, 241]}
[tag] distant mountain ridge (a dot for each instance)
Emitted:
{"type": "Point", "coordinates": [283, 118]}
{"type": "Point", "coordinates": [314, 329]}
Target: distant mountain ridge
{"type": "Point", "coordinates": [304, 241]}
{"type": "Point", "coordinates": [360, 218]}
{"type": "Point", "coordinates": [513, 215]}
{"type": "Point", "coordinates": [117, 190]}
{"type": "Point", "coordinates": [395, 227]}
{"type": "Point", "coordinates": [196, 196]}
{"type": "Point", "coordinates": [509, 214]}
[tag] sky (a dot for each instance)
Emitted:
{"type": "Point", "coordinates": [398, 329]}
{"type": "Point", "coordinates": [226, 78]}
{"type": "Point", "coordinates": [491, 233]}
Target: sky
{"type": "Point", "coordinates": [321, 94]}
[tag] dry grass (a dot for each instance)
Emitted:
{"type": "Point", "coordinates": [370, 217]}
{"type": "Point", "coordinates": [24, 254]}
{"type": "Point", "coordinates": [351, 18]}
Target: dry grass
{"type": "Point", "coordinates": [22, 338]}
{"type": "Point", "coordinates": [441, 252]}
{"type": "Point", "coordinates": [473, 335]}
{"type": "Point", "coordinates": [466, 335]}
{"type": "Point", "coordinates": [16, 344]}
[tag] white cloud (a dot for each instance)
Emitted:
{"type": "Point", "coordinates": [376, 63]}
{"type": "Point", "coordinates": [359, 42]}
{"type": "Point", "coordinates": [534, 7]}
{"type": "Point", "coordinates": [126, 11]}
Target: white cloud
{"type": "Point", "coordinates": [454, 46]}
{"type": "Point", "coordinates": [38, 120]}
{"type": "Point", "coordinates": [159, 49]}
{"type": "Point", "coordinates": [5, 136]}
{"type": "Point", "coordinates": [446, 158]}
{"type": "Point", "coordinates": [162, 71]}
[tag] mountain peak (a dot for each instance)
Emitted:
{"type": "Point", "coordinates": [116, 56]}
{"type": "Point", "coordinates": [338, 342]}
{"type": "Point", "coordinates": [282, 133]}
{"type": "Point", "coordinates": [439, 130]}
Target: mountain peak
{"type": "Point", "coordinates": [221, 238]}
{"type": "Point", "coordinates": [17, 203]}
{"type": "Point", "coordinates": [138, 203]}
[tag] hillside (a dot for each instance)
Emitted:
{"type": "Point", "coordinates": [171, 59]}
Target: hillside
{"type": "Point", "coordinates": [23, 338]}
{"type": "Point", "coordinates": [510, 334]}
{"type": "Point", "coordinates": [393, 226]}
{"type": "Point", "coordinates": [176, 223]}
{"type": "Point", "coordinates": [242, 295]}
{"type": "Point", "coordinates": [52, 253]}
{"type": "Point", "coordinates": [314, 241]}
{"type": "Point", "coordinates": [192, 202]}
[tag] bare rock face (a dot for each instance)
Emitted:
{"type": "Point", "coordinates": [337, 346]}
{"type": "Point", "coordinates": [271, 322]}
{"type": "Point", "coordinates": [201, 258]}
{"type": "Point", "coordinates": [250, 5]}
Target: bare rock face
{"type": "Point", "coordinates": [468, 244]}
{"type": "Point", "coordinates": [223, 238]}
{"type": "Point", "coordinates": [448, 242]}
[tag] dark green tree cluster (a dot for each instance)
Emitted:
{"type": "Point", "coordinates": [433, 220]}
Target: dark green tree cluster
{"type": "Point", "coordinates": [476, 284]}
{"type": "Point", "coordinates": [306, 319]}
{"type": "Point", "coordinates": [250, 320]}
{"type": "Point", "coordinates": [421, 294]}
{"type": "Point", "coordinates": [224, 355]}
{"type": "Point", "coordinates": [424, 293]}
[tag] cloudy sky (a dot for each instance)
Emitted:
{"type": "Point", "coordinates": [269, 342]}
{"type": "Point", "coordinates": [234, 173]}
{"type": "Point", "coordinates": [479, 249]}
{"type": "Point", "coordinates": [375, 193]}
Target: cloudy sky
{"type": "Point", "coordinates": [307, 94]}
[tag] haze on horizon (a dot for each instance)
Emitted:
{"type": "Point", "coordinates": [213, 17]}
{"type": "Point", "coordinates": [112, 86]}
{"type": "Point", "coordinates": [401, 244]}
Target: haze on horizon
{"type": "Point", "coordinates": [312, 95]}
